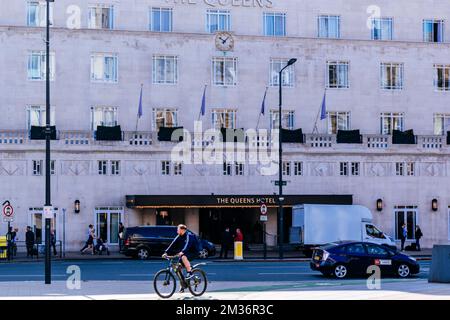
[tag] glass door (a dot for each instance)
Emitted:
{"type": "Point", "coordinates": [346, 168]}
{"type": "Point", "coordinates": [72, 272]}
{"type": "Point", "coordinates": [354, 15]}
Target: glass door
{"type": "Point", "coordinates": [408, 216]}
{"type": "Point", "coordinates": [107, 221]}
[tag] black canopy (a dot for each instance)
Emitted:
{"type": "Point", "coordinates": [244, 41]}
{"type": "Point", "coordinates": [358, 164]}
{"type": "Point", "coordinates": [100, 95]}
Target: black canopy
{"type": "Point", "coordinates": [403, 137]}
{"type": "Point", "coordinates": [108, 133]}
{"type": "Point", "coordinates": [38, 133]}
{"type": "Point", "coordinates": [165, 134]}
{"type": "Point", "coordinates": [232, 135]}
{"type": "Point", "coordinates": [292, 136]}
{"type": "Point", "coordinates": [348, 136]}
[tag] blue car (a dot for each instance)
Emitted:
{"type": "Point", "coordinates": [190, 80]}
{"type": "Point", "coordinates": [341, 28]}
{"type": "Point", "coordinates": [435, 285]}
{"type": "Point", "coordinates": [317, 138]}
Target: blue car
{"type": "Point", "coordinates": [343, 258]}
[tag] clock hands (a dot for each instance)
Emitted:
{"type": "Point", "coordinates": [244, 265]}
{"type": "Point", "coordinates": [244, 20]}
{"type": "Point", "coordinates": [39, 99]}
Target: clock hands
{"type": "Point", "coordinates": [224, 40]}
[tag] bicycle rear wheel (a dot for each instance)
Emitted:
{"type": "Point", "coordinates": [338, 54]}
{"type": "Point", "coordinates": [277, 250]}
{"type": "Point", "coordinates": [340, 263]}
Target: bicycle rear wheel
{"type": "Point", "coordinates": [164, 284]}
{"type": "Point", "coordinates": [198, 282]}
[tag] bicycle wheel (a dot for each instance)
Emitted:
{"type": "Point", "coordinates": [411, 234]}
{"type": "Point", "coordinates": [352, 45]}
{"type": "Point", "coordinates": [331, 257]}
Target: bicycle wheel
{"type": "Point", "coordinates": [164, 284]}
{"type": "Point", "coordinates": [197, 283]}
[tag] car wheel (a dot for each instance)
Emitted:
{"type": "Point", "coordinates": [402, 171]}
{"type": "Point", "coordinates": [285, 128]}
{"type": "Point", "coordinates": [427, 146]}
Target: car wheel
{"type": "Point", "coordinates": [403, 271]}
{"type": "Point", "coordinates": [340, 271]}
{"type": "Point", "coordinates": [143, 254]}
{"type": "Point", "coordinates": [203, 254]}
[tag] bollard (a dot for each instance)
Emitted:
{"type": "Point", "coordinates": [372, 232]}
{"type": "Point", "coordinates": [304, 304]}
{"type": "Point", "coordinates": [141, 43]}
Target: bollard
{"type": "Point", "coordinates": [440, 264]}
{"type": "Point", "coordinates": [238, 250]}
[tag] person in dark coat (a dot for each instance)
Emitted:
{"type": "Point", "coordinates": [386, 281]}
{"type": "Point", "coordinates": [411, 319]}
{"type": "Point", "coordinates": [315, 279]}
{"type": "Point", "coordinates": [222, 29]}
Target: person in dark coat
{"type": "Point", "coordinates": [53, 242]}
{"type": "Point", "coordinates": [418, 235]}
{"type": "Point", "coordinates": [226, 243]}
{"type": "Point", "coordinates": [121, 235]}
{"type": "Point", "coordinates": [29, 242]}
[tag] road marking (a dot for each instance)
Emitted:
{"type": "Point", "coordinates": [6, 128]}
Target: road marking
{"type": "Point", "coordinates": [136, 275]}
{"type": "Point", "coordinates": [284, 273]}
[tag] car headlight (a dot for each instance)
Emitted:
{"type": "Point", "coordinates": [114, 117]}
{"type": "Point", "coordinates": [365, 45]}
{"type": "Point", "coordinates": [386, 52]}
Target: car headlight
{"type": "Point", "coordinates": [412, 258]}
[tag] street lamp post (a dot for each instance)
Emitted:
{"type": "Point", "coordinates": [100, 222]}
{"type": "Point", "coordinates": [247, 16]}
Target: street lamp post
{"type": "Point", "coordinates": [280, 163]}
{"type": "Point", "coordinates": [48, 201]}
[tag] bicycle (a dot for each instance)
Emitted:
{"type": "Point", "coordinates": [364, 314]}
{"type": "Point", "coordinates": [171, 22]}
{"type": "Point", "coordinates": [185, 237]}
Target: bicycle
{"type": "Point", "coordinates": [165, 284]}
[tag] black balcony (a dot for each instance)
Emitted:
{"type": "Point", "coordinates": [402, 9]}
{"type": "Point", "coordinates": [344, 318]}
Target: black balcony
{"type": "Point", "coordinates": [403, 137]}
{"type": "Point", "coordinates": [292, 136]}
{"type": "Point", "coordinates": [104, 133]}
{"type": "Point", "coordinates": [172, 134]}
{"type": "Point", "coordinates": [349, 136]}
{"type": "Point", "coordinates": [232, 135]}
{"type": "Point", "coordinates": [38, 133]}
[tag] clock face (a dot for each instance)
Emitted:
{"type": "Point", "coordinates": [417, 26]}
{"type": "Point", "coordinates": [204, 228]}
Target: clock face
{"type": "Point", "coordinates": [224, 41]}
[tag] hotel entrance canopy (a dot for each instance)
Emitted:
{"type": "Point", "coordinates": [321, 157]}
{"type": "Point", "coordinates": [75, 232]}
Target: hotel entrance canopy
{"type": "Point", "coordinates": [229, 201]}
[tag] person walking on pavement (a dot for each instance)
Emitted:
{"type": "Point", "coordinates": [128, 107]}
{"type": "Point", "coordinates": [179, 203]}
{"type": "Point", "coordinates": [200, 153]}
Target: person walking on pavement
{"type": "Point", "coordinates": [53, 242]}
{"type": "Point", "coordinates": [14, 239]}
{"type": "Point", "coordinates": [29, 242]}
{"type": "Point", "coordinates": [227, 241]}
{"type": "Point", "coordinates": [418, 235]}
{"type": "Point", "coordinates": [239, 236]}
{"type": "Point", "coordinates": [404, 236]}
{"type": "Point", "coordinates": [121, 235]}
{"type": "Point", "coordinates": [90, 241]}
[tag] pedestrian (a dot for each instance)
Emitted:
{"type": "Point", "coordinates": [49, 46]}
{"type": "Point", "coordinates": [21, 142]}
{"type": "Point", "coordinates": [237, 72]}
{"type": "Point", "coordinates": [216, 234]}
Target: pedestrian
{"type": "Point", "coordinates": [121, 235]}
{"type": "Point", "coordinates": [404, 236]}
{"type": "Point", "coordinates": [14, 240]}
{"type": "Point", "coordinates": [226, 243]}
{"type": "Point", "coordinates": [53, 242]}
{"type": "Point", "coordinates": [29, 242]}
{"type": "Point", "coordinates": [90, 241]}
{"type": "Point", "coordinates": [101, 247]}
{"type": "Point", "coordinates": [418, 235]}
{"type": "Point", "coordinates": [239, 236]}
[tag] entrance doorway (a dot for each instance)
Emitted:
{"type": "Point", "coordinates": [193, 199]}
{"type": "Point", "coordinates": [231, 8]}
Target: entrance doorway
{"type": "Point", "coordinates": [214, 221]}
{"type": "Point", "coordinates": [107, 221]}
{"type": "Point", "coordinates": [37, 223]}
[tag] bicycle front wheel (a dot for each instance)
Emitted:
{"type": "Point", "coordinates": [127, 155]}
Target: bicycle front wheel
{"type": "Point", "coordinates": [197, 283]}
{"type": "Point", "coordinates": [164, 284]}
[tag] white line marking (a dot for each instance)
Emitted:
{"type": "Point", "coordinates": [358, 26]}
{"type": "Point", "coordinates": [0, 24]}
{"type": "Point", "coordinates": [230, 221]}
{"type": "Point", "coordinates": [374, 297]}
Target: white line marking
{"type": "Point", "coordinates": [282, 273]}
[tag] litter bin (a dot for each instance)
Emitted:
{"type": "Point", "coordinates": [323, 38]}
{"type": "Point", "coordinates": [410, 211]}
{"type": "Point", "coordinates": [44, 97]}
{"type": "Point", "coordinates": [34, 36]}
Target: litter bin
{"type": "Point", "coordinates": [3, 247]}
{"type": "Point", "coordinates": [238, 250]}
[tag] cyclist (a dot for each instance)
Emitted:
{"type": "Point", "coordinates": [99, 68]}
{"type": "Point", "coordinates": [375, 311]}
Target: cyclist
{"type": "Point", "coordinates": [188, 252]}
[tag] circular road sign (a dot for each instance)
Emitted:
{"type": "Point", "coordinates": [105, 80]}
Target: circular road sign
{"type": "Point", "coordinates": [263, 209]}
{"type": "Point", "coordinates": [8, 210]}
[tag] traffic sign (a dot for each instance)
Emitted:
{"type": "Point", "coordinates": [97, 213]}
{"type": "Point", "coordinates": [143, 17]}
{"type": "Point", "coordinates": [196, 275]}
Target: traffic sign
{"type": "Point", "coordinates": [263, 218]}
{"type": "Point", "coordinates": [263, 209]}
{"type": "Point", "coordinates": [48, 212]}
{"type": "Point", "coordinates": [7, 212]}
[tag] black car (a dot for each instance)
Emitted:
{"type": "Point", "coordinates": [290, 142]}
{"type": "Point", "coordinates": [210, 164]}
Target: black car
{"type": "Point", "coordinates": [344, 258]}
{"type": "Point", "coordinates": [146, 241]}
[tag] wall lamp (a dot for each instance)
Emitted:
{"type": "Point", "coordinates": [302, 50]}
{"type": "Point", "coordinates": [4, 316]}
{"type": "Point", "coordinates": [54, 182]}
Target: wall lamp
{"type": "Point", "coordinates": [76, 206]}
{"type": "Point", "coordinates": [434, 205]}
{"type": "Point", "coordinates": [379, 205]}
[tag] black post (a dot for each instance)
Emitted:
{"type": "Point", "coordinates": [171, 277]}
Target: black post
{"type": "Point", "coordinates": [47, 150]}
{"type": "Point", "coordinates": [8, 242]}
{"type": "Point", "coordinates": [280, 162]}
{"type": "Point", "coordinates": [264, 241]}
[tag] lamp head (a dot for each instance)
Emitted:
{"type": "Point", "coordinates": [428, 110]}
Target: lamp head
{"type": "Point", "coordinates": [292, 61]}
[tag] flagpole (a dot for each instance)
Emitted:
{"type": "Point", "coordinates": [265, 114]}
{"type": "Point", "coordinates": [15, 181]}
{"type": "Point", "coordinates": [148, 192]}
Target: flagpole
{"type": "Point", "coordinates": [315, 129]}
{"type": "Point", "coordinates": [140, 101]}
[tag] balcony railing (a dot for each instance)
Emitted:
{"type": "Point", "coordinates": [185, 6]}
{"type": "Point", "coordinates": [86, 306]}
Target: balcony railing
{"type": "Point", "coordinates": [148, 139]}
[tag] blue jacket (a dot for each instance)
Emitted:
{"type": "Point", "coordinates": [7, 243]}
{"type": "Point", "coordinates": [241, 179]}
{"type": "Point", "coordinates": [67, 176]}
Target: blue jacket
{"type": "Point", "coordinates": [186, 242]}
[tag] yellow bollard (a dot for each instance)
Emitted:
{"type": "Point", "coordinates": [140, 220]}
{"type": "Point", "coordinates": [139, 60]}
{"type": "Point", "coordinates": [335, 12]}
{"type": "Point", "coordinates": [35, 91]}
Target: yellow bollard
{"type": "Point", "coordinates": [238, 250]}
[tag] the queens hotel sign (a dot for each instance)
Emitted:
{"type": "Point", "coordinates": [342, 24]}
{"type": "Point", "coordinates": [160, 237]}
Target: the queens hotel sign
{"type": "Point", "coordinates": [227, 3]}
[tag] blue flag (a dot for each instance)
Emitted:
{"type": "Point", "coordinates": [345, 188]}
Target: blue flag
{"type": "Point", "coordinates": [203, 107]}
{"type": "Point", "coordinates": [140, 104]}
{"type": "Point", "coordinates": [263, 105]}
{"type": "Point", "coordinates": [323, 112]}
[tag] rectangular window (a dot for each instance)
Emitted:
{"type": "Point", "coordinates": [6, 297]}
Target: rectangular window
{"type": "Point", "coordinates": [442, 77]}
{"type": "Point", "coordinates": [329, 26]}
{"type": "Point", "coordinates": [115, 167]}
{"type": "Point", "coordinates": [165, 168]}
{"type": "Point", "coordinates": [404, 168]}
{"type": "Point", "coordinates": [410, 168]}
{"type": "Point", "coordinates": [218, 20]}
{"type": "Point", "coordinates": [52, 167]}
{"type": "Point", "coordinates": [275, 24]}
{"type": "Point", "coordinates": [224, 118]}
{"type": "Point", "coordinates": [163, 117]}
{"type": "Point", "coordinates": [382, 29]}
{"type": "Point", "coordinates": [399, 168]}
{"type": "Point", "coordinates": [226, 169]}
{"type": "Point", "coordinates": [165, 69]}
{"type": "Point", "coordinates": [36, 116]}
{"type": "Point", "coordinates": [354, 168]}
{"type": "Point", "coordinates": [178, 168]}
{"type": "Point", "coordinates": [391, 121]}
{"type": "Point", "coordinates": [224, 71]}
{"type": "Point", "coordinates": [161, 19]}
{"type": "Point", "coordinates": [338, 121]}
{"type": "Point", "coordinates": [104, 67]}
{"type": "Point", "coordinates": [392, 76]}
{"type": "Point", "coordinates": [441, 123]}
{"type": "Point", "coordinates": [102, 167]}
{"type": "Point", "coordinates": [101, 17]}
{"type": "Point", "coordinates": [286, 168]}
{"type": "Point", "coordinates": [37, 13]}
{"type": "Point", "coordinates": [37, 65]}
{"type": "Point", "coordinates": [343, 168]}
{"type": "Point", "coordinates": [287, 76]}
{"type": "Point", "coordinates": [239, 169]}
{"type": "Point", "coordinates": [37, 167]}
{"type": "Point", "coordinates": [337, 73]}
{"type": "Point", "coordinates": [298, 168]}
{"type": "Point", "coordinates": [287, 121]}
{"type": "Point", "coordinates": [405, 215]}
{"type": "Point", "coordinates": [433, 30]}
{"type": "Point", "coordinates": [104, 116]}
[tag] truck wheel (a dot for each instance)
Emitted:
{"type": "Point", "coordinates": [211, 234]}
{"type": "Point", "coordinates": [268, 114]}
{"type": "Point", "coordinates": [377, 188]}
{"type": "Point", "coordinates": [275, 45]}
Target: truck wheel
{"type": "Point", "coordinates": [340, 271]}
{"type": "Point", "coordinates": [143, 254]}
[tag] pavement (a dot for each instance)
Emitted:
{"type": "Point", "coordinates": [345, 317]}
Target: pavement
{"type": "Point", "coordinates": [132, 280]}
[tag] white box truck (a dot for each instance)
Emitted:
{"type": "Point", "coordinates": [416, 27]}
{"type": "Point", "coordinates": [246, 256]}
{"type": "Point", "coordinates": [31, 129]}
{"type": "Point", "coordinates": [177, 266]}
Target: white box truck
{"type": "Point", "coordinates": [314, 225]}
